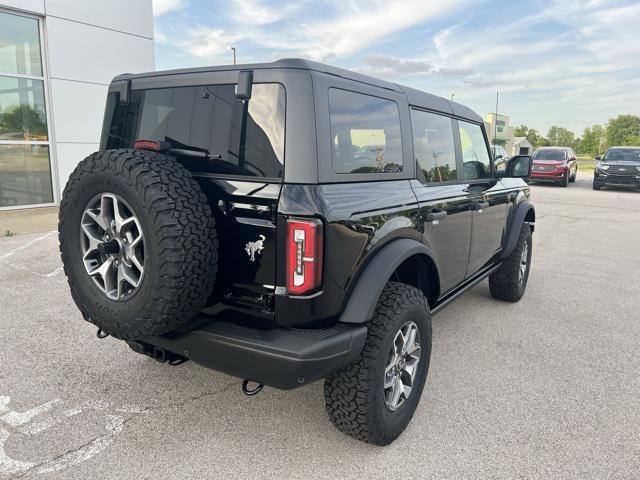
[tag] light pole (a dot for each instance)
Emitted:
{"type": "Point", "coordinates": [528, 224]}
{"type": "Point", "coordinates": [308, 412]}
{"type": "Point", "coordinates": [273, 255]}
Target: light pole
{"type": "Point", "coordinates": [452, 95]}
{"type": "Point", "coordinates": [495, 121]}
{"type": "Point", "coordinates": [234, 54]}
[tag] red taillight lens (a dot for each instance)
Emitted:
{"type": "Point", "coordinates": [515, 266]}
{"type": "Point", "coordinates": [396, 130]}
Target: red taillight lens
{"type": "Point", "coordinates": [151, 145]}
{"type": "Point", "coordinates": [304, 255]}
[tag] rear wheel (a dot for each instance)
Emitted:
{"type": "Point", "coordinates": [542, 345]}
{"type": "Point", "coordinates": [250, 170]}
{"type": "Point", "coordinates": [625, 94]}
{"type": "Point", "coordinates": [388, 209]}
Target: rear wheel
{"type": "Point", "coordinates": [509, 282]}
{"type": "Point", "coordinates": [138, 242]}
{"type": "Point", "coordinates": [375, 398]}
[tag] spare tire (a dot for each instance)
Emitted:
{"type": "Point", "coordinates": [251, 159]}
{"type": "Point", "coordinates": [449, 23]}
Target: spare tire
{"type": "Point", "coordinates": [138, 242]}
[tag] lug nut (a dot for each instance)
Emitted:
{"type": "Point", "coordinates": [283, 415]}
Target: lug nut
{"type": "Point", "coordinates": [116, 262]}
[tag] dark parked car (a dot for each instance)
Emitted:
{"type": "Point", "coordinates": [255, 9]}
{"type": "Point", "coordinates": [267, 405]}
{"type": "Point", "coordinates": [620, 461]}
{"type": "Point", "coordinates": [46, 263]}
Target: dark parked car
{"type": "Point", "coordinates": [620, 167]}
{"type": "Point", "coordinates": [555, 164]}
{"type": "Point", "coordinates": [231, 218]}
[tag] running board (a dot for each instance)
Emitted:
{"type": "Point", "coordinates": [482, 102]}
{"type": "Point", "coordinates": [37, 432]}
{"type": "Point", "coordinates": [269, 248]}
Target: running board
{"type": "Point", "coordinates": [467, 284]}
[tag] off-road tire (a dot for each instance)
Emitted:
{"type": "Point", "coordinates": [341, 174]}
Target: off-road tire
{"type": "Point", "coordinates": [354, 396]}
{"type": "Point", "coordinates": [504, 283]}
{"type": "Point", "coordinates": [180, 241]}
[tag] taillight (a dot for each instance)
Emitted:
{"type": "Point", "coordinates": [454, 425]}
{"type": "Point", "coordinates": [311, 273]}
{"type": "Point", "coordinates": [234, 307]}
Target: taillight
{"type": "Point", "coordinates": [304, 255]}
{"type": "Point", "coordinates": [151, 145]}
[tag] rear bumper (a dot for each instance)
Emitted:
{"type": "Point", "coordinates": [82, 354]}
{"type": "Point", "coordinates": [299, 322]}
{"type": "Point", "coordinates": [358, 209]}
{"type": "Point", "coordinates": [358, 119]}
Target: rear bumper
{"type": "Point", "coordinates": [284, 358]}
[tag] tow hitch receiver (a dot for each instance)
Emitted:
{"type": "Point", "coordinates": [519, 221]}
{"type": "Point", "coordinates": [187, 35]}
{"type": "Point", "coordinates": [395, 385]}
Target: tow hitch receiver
{"type": "Point", "coordinates": [158, 354]}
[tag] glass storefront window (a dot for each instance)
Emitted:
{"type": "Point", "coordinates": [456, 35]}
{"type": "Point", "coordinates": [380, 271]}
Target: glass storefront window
{"type": "Point", "coordinates": [25, 169]}
{"type": "Point", "coordinates": [25, 175]}
{"type": "Point", "coordinates": [20, 45]}
{"type": "Point", "coordinates": [22, 110]}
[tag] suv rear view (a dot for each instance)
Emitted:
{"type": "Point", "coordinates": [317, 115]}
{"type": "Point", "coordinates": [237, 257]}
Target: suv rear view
{"type": "Point", "coordinates": [290, 222]}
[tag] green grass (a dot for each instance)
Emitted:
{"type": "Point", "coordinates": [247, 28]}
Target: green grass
{"type": "Point", "coordinates": [586, 164]}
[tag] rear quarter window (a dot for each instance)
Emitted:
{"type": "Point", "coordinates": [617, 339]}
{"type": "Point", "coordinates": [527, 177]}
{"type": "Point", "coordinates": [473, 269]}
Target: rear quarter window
{"type": "Point", "coordinates": [365, 133]}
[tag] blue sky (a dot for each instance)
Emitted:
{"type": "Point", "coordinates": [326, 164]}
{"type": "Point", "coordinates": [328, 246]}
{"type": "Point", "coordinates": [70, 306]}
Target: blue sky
{"type": "Point", "coordinates": [573, 63]}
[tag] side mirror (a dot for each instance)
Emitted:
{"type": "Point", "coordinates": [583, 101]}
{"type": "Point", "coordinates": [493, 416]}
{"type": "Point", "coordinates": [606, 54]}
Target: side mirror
{"type": "Point", "coordinates": [244, 86]}
{"type": "Point", "coordinates": [519, 166]}
{"type": "Point", "coordinates": [599, 157]}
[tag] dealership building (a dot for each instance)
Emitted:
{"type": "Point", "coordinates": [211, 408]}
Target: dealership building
{"type": "Point", "coordinates": [57, 58]}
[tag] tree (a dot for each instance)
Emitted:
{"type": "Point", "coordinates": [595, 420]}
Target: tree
{"type": "Point", "coordinates": [593, 141]}
{"type": "Point", "coordinates": [22, 118]}
{"type": "Point", "coordinates": [531, 134]}
{"type": "Point", "coordinates": [623, 130]}
{"type": "Point", "coordinates": [561, 137]}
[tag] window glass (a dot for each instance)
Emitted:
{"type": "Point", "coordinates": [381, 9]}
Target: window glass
{"type": "Point", "coordinates": [22, 111]}
{"type": "Point", "coordinates": [475, 156]}
{"type": "Point", "coordinates": [365, 133]}
{"type": "Point", "coordinates": [25, 176]}
{"type": "Point", "coordinates": [550, 154]}
{"type": "Point", "coordinates": [433, 146]}
{"type": "Point", "coordinates": [210, 119]}
{"type": "Point", "coordinates": [19, 45]}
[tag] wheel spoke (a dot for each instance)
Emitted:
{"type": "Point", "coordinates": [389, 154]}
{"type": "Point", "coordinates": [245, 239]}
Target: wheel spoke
{"type": "Point", "coordinates": [98, 218]}
{"type": "Point", "coordinates": [396, 393]}
{"type": "Point", "coordinates": [93, 238]}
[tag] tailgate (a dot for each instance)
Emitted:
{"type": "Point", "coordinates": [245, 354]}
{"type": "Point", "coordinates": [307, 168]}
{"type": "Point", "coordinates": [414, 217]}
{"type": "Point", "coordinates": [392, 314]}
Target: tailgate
{"type": "Point", "coordinates": [245, 214]}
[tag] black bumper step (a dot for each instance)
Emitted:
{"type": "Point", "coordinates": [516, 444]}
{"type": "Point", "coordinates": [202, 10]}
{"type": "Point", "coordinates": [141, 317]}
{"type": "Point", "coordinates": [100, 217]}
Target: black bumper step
{"type": "Point", "coordinates": [284, 358]}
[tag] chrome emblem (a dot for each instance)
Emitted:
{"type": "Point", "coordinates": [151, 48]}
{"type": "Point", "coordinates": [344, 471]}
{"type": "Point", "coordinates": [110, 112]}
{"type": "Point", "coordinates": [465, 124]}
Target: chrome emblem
{"type": "Point", "coordinates": [622, 169]}
{"type": "Point", "coordinates": [255, 247]}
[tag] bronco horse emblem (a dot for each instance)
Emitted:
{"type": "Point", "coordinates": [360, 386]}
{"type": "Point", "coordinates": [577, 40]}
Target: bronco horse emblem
{"type": "Point", "coordinates": [255, 247]}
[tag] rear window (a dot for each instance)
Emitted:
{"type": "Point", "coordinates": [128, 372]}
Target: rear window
{"type": "Point", "coordinates": [365, 133]}
{"type": "Point", "coordinates": [241, 138]}
{"type": "Point", "coordinates": [550, 155]}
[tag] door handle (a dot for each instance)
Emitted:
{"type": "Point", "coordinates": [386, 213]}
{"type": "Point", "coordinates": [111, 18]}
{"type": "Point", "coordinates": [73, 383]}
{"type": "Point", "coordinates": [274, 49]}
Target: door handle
{"type": "Point", "coordinates": [435, 216]}
{"type": "Point", "coordinates": [480, 205]}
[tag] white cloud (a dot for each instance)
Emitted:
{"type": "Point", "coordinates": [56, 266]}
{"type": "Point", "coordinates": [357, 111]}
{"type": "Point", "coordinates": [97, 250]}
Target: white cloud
{"type": "Point", "coordinates": [210, 44]}
{"type": "Point", "coordinates": [160, 7]}
{"type": "Point", "coordinates": [255, 12]}
{"type": "Point", "coordinates": [361, 24]}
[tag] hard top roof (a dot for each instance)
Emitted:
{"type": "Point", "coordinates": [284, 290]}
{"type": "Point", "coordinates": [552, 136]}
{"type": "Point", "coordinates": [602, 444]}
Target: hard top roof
{"type": "Point", "coordinates": [415, 97]}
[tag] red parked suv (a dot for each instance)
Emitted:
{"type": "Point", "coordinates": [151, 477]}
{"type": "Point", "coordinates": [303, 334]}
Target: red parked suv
{"type": "Point", "coordinates": [555, 164]}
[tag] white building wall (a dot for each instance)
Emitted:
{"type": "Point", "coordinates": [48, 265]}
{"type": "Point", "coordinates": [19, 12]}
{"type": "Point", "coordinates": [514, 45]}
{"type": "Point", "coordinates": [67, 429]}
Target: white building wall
{"type": "Point", "coordinates": [87, 43]}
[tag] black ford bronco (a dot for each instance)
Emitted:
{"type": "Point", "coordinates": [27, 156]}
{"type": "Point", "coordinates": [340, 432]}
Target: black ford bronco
{"type": "Point", "coordinates": [288, 222]}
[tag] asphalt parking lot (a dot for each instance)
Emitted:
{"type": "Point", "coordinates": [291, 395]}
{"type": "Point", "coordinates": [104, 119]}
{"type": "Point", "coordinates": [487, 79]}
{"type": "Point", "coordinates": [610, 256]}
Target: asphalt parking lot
{"type": "Point", "coordinates": [546, 388]}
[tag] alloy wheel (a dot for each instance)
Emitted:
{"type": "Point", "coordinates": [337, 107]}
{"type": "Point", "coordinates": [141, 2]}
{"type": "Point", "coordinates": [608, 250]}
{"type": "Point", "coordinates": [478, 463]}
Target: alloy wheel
{"type": "Point", "coordinates": [112, 243]}
{"type": "Point", "coordinates": [402, 365]}
{"type": "Point", "coordinates": [524, 261]}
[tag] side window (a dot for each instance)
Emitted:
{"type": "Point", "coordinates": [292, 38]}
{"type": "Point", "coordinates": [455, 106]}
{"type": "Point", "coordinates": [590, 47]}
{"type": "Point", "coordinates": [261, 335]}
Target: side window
{"type": "Point", "coordinates": [433, 146]}
{"type": "Point", "coordinates": [475, 156]}
{"type": "Point", "coordinates": [365, 133]}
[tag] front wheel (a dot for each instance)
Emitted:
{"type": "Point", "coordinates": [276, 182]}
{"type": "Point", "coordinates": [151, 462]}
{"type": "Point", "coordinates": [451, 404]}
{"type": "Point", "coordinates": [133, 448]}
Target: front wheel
{"type": "Point", "coordinates": [375, 398]}
{"type": "Point", "coordinates": [509, 282]}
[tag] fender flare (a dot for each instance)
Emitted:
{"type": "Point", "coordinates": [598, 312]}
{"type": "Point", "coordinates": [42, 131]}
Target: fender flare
{"type": "Point", "coordinates": [364, 297]}
{"type": "Point", "coordinates": [522, 210]}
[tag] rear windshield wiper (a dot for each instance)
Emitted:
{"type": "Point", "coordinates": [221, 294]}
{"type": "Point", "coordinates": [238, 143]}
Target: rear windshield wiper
{"type": "Point", "coordinates": [179, 148]}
